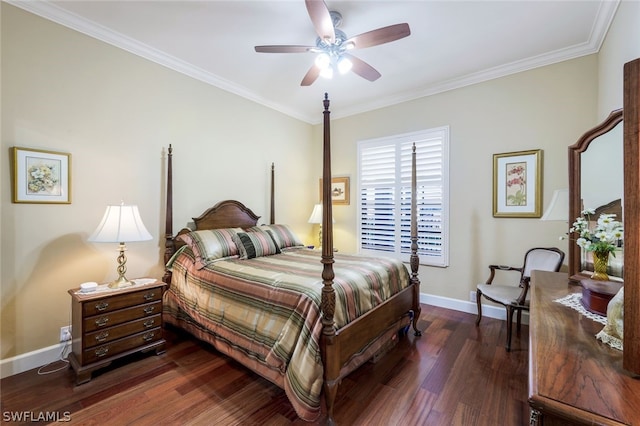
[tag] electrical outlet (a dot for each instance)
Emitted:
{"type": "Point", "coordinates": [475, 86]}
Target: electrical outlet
{"type": "Point", "coordinates": [472, 296]}
{"type": "Point", "coordinates": [65, 334]}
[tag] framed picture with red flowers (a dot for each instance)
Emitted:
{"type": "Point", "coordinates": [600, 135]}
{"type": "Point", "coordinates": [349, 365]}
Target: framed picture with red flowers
{"type": "Point", "coordinates": [517, 184]}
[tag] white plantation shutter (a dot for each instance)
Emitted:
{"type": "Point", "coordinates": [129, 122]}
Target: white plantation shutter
{"type": "Point", "coordinates": [384, 195]}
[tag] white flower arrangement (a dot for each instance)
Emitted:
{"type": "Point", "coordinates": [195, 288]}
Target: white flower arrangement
{"type": "Point", "coordinates": [604, 238]}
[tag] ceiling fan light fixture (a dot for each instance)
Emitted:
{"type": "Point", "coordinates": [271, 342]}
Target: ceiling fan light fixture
{"type": "Point", "coordinates": [332, 45]}
{"type": "Point", "coordinates": [323, 61]}
{"type": "Point", "coordinates": [327, 73]}
{"type": "Point", "coordinates": [344, 65]}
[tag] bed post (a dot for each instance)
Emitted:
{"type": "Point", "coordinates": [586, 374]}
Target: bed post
{"type": "Point", "coordinates": [169, 247]}
{"type": "Point", "coordinates": [272, 216]}
{"type": "Point", "coordinates": [328, 301]}
{"type": "Point", "coordinates": [414, 260]}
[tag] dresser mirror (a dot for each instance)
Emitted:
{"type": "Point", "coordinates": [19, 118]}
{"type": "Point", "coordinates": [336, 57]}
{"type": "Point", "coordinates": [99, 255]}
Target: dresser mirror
{"type": "Point", "coordinates": [596, 181]}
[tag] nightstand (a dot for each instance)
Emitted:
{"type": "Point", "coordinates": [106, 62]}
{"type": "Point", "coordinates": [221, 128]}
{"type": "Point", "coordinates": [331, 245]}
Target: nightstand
{"type": "Point", "coordinates": [108, 324]}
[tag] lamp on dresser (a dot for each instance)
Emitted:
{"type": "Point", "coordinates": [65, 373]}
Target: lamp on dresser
{"type": "Point", "coordinates": [121, 224]}
{"type": "Point", "coordinates": [558, 207]}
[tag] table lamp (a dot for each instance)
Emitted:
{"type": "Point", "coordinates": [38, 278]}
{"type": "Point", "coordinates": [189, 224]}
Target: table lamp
{"type": "Point", "coordinates": [121, 224]}
{"type": "Point", "coordinates": [316, 217]}
{"type": "Point", "coordinates": [558, 207]}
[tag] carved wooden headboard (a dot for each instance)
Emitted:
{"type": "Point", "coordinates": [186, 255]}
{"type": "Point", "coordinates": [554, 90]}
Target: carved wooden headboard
{"type": "Point", "coordinates": [614, 207]}
{"type": "Point", "coordinates": [226, 214]}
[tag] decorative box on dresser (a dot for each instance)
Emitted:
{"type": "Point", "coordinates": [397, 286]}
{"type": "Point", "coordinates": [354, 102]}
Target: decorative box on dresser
{"type": "Point", "coordinates": [574, 379]}
{"type": "Point", "coordinates": [111, 323]}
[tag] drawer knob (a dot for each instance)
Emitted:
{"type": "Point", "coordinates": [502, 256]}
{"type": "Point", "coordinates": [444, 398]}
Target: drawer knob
{"type": "Point", "coordinates": [102, 306]}
{"type": "Point", "coordinates": [102, 351]}
{"type": "Point", "coordinates": [148, 336]}
{"type": "Point", "coordinates": [149, 296]}
{"type": "Point", "coordinates": [148, 309]}
{"type": "Point", "coordinates": [149, 323]}
{"type": "Point", "coordinates": [102, 336]}
{"type": "Point", "coordinates": [102, 321]}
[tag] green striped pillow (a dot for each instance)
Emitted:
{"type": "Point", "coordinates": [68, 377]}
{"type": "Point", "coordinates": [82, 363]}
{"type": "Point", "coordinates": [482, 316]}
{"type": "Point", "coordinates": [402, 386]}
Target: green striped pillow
{"type": "Point", "coordinates": [282, 234]}
{"type": "Point", "coordinates": [211, 244]}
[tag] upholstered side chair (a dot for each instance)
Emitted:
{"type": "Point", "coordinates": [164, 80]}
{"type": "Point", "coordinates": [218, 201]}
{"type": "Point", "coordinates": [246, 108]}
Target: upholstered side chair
{"type": "Point", "coordinates": [516, 297]}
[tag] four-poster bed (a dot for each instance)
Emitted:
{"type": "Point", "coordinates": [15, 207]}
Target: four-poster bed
{"type": "Point", "coordinates": [260, 298]}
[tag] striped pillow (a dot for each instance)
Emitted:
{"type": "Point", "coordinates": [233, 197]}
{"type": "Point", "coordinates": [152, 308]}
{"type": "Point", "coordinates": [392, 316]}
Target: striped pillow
{"type": "Point", "coordinates": [211, 244]}
{"type": "Point", "coordinates": [282, 234]}
{"type": "Point", "coordinates": [255, 244]}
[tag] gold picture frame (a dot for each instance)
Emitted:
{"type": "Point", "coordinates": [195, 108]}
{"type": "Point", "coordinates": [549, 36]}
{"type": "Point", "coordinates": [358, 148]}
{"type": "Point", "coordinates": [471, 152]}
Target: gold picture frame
{"type": "Point", "coordinates": [339, 190]}
{"type": "Point", "coordinates": [41, 177]}
{"type": "Point", "coordinates": [517, 184]}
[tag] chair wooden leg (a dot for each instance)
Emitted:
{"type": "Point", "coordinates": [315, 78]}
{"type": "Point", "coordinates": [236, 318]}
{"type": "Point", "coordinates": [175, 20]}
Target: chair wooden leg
{"type": "Point", "coordinates": [519, 321]}
{"type": "Point", "coordinates": [478, 297]}
{"type": "Point", "coordinates": [509, 326]}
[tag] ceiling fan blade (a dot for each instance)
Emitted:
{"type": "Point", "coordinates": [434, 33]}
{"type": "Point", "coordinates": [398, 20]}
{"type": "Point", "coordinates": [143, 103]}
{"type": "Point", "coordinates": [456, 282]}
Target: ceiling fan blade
{"type": "Point", "coordinates": [362, 68]}
{"type": "Point", "coordinates": [321, 19]}
{"type": "Point", "coordinates": [380, 36]}
{"type": "Point", "coordinates": [311, 76]}
{"type": "Point", "coordinates": [283, 49]}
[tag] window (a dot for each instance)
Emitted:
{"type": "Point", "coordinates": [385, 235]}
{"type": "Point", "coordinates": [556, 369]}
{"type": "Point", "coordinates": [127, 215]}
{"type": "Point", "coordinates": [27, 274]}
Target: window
{"type": "Point", "coordinates": [384, 195]}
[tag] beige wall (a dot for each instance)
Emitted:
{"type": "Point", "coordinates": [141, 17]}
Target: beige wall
{"type": "Point", "coordinates": [116, 114]}
{"type": "Point", "coordinates": [620, 47]}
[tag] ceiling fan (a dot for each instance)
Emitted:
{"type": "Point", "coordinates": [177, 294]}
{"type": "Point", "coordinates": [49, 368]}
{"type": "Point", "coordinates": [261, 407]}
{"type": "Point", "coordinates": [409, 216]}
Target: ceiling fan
{"type": "Point", "coordinates": [332, 45]}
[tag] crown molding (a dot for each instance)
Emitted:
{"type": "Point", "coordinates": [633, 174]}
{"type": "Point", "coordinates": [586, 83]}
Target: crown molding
{"type": "Point", "coordinates": [49, 11]}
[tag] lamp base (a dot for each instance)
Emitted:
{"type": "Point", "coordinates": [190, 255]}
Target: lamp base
{"type": "Point", "coordinates": [121, 282]}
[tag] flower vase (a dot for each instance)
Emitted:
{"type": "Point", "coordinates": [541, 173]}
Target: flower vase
{"type": "Point", "coordinates": [600, 263]}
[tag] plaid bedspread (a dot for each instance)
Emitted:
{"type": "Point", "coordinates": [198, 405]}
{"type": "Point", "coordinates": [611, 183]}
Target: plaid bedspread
{"type": "Point", "coordinates": [265, 312]}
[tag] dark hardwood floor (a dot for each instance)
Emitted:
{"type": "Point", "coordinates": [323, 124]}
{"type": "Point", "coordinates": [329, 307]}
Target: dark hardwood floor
{"type": "Point", "coordinates": [454, 374]}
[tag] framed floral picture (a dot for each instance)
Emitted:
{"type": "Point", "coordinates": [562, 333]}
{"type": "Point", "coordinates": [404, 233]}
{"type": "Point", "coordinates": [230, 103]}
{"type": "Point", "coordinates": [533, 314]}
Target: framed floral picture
{"type": "Point", "coordinates": [339, 190]}
{"type": "Point", "coordinates": [41, 176]}
{"type": "Point", "coordinates": [517, 184]}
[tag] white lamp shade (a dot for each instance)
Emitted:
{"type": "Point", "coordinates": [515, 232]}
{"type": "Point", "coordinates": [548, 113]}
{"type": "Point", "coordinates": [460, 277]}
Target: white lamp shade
{"type": "Point", "coordinates": [316, 214]}
{"type": "Point", "coordinates": [120, 224]}
{"type": "Point", "coordinates": [559, 207]}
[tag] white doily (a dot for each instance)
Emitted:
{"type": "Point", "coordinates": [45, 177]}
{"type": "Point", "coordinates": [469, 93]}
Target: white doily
{"type": "Point", "coordinates": [610, 340]}
{"type": "Point", "coordinates": [573, 301]}
{"type": "Point", "coordinates": [104, 288]}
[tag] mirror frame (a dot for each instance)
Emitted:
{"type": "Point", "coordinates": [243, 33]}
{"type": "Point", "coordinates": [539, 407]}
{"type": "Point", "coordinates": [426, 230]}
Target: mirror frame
{"type": "Point", "coordinates": [575, 192]}
{"type": "Point", "coordinates": [631, 150]}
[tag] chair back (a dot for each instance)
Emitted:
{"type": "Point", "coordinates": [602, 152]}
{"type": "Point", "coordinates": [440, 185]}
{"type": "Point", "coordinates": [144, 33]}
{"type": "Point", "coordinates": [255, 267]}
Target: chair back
{"type": "Point", "coordinates": [542, 259]}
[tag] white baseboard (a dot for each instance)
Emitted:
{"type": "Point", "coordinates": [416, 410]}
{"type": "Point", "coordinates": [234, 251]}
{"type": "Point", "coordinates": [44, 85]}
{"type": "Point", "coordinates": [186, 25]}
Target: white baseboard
{"type": "Point", "coordinates": [30, 360]}
{"type": "Point", "coordinates": [40, 357]}
{"type": "Point", "coordinates": [490, 311]}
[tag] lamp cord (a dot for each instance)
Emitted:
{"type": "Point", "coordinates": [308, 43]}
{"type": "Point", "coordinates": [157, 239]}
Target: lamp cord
{"type": "Point", "coordinates": [62, 357]}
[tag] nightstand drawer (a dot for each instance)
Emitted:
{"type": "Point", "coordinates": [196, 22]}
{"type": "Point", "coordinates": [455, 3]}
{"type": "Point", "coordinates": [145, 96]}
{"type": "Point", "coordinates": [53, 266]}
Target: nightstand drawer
{"type": "Point", "coordinates": [108, 304]}
{"type": "Point", "coordinates": [110, 349]}
{"type": "Point", "coordinates": [107, 335]}
{"type": "Point", "coordinates": [110, 319]}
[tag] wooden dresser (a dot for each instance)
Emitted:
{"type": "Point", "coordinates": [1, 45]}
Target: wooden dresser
{"type": "Point", "coordinates": [107, 325]}
{"type": "Point", "coordinates": [574, 379]}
